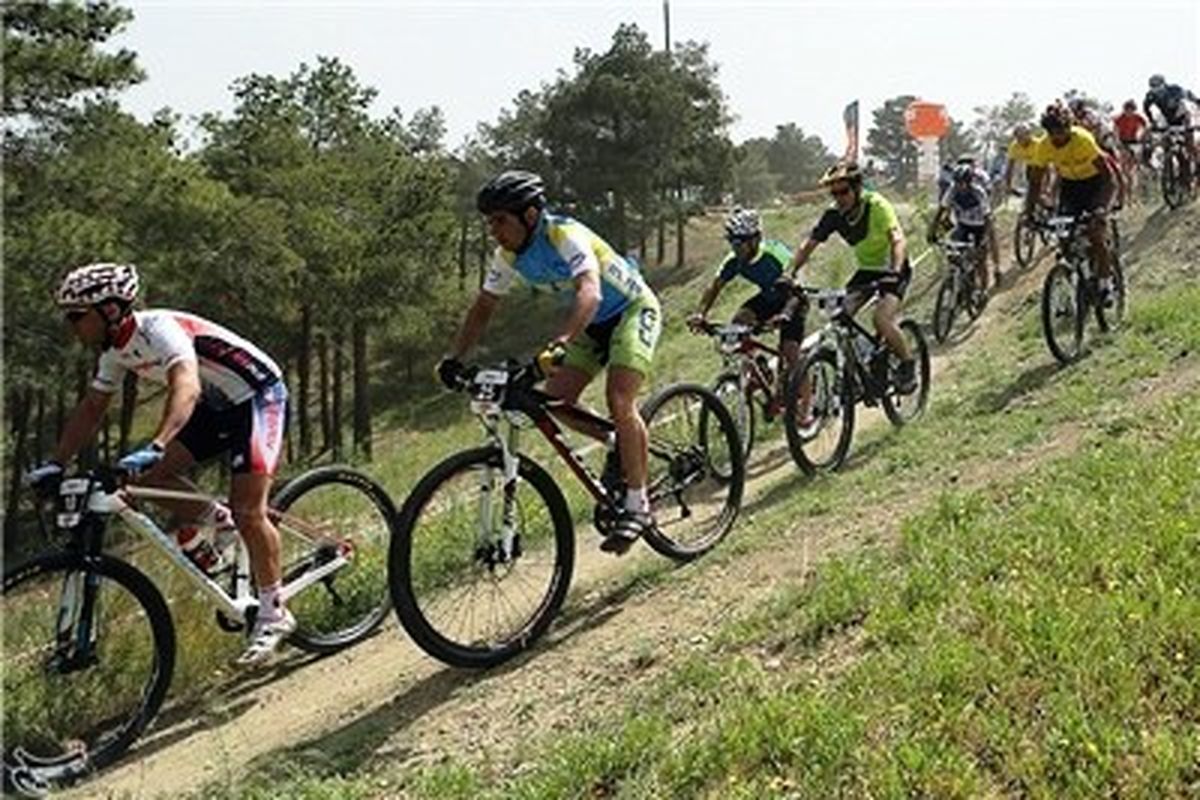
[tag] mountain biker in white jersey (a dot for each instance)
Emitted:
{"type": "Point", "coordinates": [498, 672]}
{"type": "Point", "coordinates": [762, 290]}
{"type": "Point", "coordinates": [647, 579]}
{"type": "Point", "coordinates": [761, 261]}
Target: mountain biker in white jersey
{"type": "Point", "coordinates": [614, 321]}
{"type": "Point", "coordinates": [223, 394]}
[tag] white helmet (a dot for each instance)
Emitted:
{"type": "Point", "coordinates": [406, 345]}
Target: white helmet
{"type": "Point", "coordinates": [98, 283]}
{"type": "Point", "coordinates": [742, 223]}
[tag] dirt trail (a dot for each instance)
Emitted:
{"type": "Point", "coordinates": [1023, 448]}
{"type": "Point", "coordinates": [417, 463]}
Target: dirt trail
{"type": "Point", "coordinates": [385, 700]}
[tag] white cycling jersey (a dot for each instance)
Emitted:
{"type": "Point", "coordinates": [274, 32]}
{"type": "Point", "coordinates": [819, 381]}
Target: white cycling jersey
{"type": "Point", "coordinates": [232, 370]}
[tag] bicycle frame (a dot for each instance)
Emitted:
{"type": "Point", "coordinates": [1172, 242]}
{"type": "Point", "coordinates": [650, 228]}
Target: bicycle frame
{"type": "Point", "coordinates": [738, 348]}
{"type": "Point", "coordinates": [838, 334]}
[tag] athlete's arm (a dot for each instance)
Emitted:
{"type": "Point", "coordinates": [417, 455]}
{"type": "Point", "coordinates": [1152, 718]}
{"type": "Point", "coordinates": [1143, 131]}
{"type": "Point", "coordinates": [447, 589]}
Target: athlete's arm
{"type": "Point", "coordinates": [801, 256]}
{"type": "Point", "coordinates": [183, 392]}
{"type": "Point", "coordinates": [1114, 181]}
{"type": "Point", "coordinates": [474, 324]}
{"type": "Point", "coordinates": [587, 300]}
{"type": "Point", "coordinates": [710, 296]}
{"type": "Point", "coordinates": [82, 425]}
{"type": "Point", "coordinates": [899, 247]}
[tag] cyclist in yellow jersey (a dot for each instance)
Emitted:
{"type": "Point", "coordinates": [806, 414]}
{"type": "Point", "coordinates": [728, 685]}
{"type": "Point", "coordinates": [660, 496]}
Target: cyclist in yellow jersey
{"type": "Point", "coordinates": [1088, 183]}
{"type": "Point", "coordinates": [868, 223]}
{"type": "Point", "coordinates": [1020, 151]}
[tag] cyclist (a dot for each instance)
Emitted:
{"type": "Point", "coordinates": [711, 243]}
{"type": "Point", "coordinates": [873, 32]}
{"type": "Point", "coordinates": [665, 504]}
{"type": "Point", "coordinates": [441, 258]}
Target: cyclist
{"type": "Point", "coordinates": [615, 320]}
{"type": "Point", "coordinates": [1131, 130]}
{"type": "Point", "coordinates": [967, 202]}
{"type": "Point", "coordinates": [223, 394]}
{"type": "Point", "coordinates": [1087, 181]}
{"type": "Point", "coordinates": [1171, 101]}
{"type": "Point", "coordinates": [1020, 151]}
{"type": "Point", "coordinates": [868, 223]}
{"type": "Point", "coordinates": [760, 262]}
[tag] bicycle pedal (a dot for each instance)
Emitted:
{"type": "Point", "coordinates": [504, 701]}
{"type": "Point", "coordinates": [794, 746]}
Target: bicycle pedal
{"type": "Point", "coordinates": [617, 545]}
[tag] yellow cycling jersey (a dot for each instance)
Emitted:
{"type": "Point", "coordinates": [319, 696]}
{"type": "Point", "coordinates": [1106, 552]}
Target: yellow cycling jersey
{"type": "Point", "coordinates": [1023, 153]}
{"type": "Point", "coordinates": [1075, 160]}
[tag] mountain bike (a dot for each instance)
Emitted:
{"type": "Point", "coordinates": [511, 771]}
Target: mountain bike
{"type": "Point", "coordinates": [845, 364]}
{"type": "Point", "coordinates": [89, 641]}
{"type": "Point", "coordinates": [746, 384]}
{"type": "Point", "coordinates": [959, 290]}
{"type": "Point", "coordinates": [1071, 292]}
{"type": "Point", "coordinates": [1178, 175]}
{"type": "Point", "coordinates": [485, 546]}
{"type": "Point", "coordinates": [1028, 233]}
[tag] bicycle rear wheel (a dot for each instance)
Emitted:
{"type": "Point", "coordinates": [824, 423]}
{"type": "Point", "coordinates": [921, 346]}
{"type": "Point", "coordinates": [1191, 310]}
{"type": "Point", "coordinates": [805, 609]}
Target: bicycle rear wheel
{"type": "Point", "coordinates": [328, 516]}
{"type": "Point", "coordinates": [902, 409]}
{"type": "Point", "coordinates": [1063, 312]}
{"type": "Point", "coordinates": [89, 650]}
{"type": "Point", "coordinates": [824, 443]}
{"type": "Point", "coordinates": [1025, 240]}
{"type": "Point", "coordinates": [472, 588]}
{"type": "Point", "coordinates": [696, 471]}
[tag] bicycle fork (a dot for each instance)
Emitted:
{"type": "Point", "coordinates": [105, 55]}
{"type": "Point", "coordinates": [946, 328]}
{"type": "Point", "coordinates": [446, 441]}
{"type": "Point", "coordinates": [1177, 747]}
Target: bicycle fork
{"type": "Point", "coordinates": [507, 548]}
{"type": "Point", "coordinates": [75, 629]}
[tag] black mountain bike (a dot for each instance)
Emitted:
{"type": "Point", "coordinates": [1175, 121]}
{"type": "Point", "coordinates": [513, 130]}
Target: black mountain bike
{"type": "Point", "coordinates": [1071, 291]}
{"type": "Point", "coordinates": [960, 290]}
{"type": "Point", "coordinates": [845, 364]}
{"type": "Point", "coordinates": [1178, 177]}
{"type": "Point", "coordinates": [89, 644]}
{"type": "Point", "coordinates": [485, 545]}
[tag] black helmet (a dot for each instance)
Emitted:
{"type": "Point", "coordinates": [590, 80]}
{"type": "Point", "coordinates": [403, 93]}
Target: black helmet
{"type": "Point", "coordinates": [514, 191]}
{"type": "Point", "coordinates": [964, 173]}
{"type": "Point", "coordinates": [1056, 118]}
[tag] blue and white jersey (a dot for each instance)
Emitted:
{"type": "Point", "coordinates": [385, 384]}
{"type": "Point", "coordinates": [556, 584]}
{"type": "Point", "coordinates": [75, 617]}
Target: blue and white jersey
{"type": "Point", "coordinates": [562, 250]}
{"type": "Point", "coordinates": [970, 206]}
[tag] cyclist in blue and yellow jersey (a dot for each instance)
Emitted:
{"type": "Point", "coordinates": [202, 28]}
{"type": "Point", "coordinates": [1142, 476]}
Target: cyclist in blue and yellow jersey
{"type": "Point", "coordinates": [760, 262]}
{"type": "Point", "coordinates": [967, 203]}
{"type": "Point", "coordinates": [1088, 180]}
{"type": "Point", "coordinates": [868, 223]}
{"type": "Point", "coordinates": [615, 320]}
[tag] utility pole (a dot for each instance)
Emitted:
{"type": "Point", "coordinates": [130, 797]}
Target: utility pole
{"type": "Point", "coordinates": [667, 25]}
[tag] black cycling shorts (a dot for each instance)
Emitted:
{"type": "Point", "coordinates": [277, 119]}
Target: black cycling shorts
{"type": "Point", "coordinates": [251, 432]}
{"type": "Point", "coordinates": [1076, 197]}
{"type": "Point", "coordinates": [890, 282]}
{"type": "Point", "coordinates": [973, 234]}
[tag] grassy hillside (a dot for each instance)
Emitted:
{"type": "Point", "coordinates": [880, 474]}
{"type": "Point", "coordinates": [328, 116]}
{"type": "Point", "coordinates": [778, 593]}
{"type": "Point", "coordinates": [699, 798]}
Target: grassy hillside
{"type": "Point", "coordinates": [1028, 628]}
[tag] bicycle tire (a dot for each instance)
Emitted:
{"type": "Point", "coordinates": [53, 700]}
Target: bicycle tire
{"type": "Point", "coordinates": [348, 605]}
{"type": "Point", "coordinates": [838, 400]}
{"type": "Point", "coordinates": [685, 470]}
{"type": "Point", "coordinates": [404, 576]}
{"type": "Point", "coordinates": [1065, 350]}
{"type": "Point", "coordinates": [742, 409]}
{"type": "Point", "coordinates": [896, 405]}
{"type": "Point", "coordinates": [1174, 191]}
{"type": "Point", "coordinates": [1025, 241]}
{"type": "Point", "coordinates": [100, 735]}
{"type": "Point", "coordinates": [945, 309]}
{"type": "Point", "coordinates": [1110, 316]}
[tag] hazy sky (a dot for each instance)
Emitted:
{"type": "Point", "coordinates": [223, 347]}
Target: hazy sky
{"type": "Point", "coordinates": [779, 61]}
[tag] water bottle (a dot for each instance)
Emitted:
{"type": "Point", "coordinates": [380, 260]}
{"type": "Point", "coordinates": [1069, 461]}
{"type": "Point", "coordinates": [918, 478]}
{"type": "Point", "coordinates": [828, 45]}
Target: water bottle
{"type": "Point", "coordinates": [208, 543]}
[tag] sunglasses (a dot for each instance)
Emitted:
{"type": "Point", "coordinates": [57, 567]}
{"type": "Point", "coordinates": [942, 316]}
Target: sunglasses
{"type": "Point", "coordinates": [76, 314]}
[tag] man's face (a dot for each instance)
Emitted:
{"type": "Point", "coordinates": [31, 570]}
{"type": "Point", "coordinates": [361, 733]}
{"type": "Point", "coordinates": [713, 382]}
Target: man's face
{"type": "Point", "coordinates": [745, 249]}
{"type": "Point", "coordinates": [507, 228]}
{"type": "Point", "coordinates": [1059, 137]}
{"type": "Point", "coordinates": [843, 195]}
{"type": "Point", "coordinates": [87, 325]}
{"type": "Point", "coordinates": [1024, 138]}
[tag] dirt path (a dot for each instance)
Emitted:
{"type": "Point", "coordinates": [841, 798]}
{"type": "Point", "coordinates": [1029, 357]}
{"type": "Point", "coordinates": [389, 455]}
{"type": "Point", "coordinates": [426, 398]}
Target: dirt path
{"type": "Point", "coordinates": [385, 700]}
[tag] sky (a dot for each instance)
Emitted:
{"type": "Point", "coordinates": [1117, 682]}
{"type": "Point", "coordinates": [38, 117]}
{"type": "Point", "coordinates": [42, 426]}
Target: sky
{"type": "Point", "coordinates": [779, 62]}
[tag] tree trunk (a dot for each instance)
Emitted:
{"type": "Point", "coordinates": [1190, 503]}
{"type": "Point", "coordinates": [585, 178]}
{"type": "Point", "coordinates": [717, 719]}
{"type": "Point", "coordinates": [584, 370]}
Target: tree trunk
{"type": "Point", "coordinates": [289, 430]}
{"type": "Point", "coordinates": [336, 416]}
{"type": "Point", "coordinates": [39, 426]}
{"type": "Point", "coordinates": [19, 404]}
{"type": "Point", "coordinates": [323, 368]}
{"type": "Point", "coordinates": [303, 372]}
{"type": "Point", "coordinates": [362, 400]}
{"type": "Point", "coordinates": [129, 395]}
{"type": "Point", "coordinates": [622, 223]}
{"type": "Point", "coordinates": [87, 456]}
{"type": "Point", "coordinates": [483, 250]}
{"type": "Point", "coordinates": [60, 402]}
{"type": "Point", "coordinates": [680, 223]}
{"type": "Point", "coordinates": [660, 247]}
{"type": "Point", "coordinates": [464, 230]}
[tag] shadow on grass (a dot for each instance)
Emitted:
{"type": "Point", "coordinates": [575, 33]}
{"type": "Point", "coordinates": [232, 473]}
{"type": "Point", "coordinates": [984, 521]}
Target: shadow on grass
{"type": "Point", "coordinates": [1031, 380]}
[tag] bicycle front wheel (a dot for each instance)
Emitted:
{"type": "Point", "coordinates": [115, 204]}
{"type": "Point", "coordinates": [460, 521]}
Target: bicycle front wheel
{"type": "Point", "coordinates": [480, 567]}
{"type": "Point", "coordinates": [334, 525]}
{"type": "Point", "coordinates": [1025, 240]}
{"type": "Point", "coordinates": [1063, 310]}
{"type": "Point", "coordinates": [1110, 311]}
{"type": "Point", "coordinates": [89, 650]}
{"type": "Point", "coordinates": [945, 309]}
{"type": "Point", "coordinates": [1174, 178]}
{"type": "Point", "coordinates": [696, 470]}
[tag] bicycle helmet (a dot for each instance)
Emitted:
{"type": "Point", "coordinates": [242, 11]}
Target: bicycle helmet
{"type": "Point", "coordinates": [742, 223]}
{"type": "Point", "coordinates": [843, 171]}
{"type": "Point", "coordinates": [964, 173]}
{"type": "Point", "coordinates": [1056, 118]}
{"type": "Point", "coordinates": [1020, 131]}
{"type": "Point", "coordinates": [1157, 81]}
{"type": "Point", "coordinates": [98, 283]}
{"type": "Point", "coordinates": [513, 191]}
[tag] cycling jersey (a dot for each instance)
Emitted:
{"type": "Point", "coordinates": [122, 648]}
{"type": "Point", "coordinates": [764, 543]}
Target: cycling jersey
{"type": "Point", "coordinates": [969, 205]}
{"type": "Point", "coordinates": [1074, 161]}
{"type": "Point", "coordinates": [232, 370]}
{"type": "Point", "coordinates": [867, 233]}
{"type": "Point", "coordinates": [1170, 101]}
{"type": "Point", "coordinates": [1023, 153]}
{"type": "Point", "coordinates": [1129, 125]}
{"type": "Point", "coordinates": [561, 250]}
{"type": "Point", "coordinates": [763, 270]}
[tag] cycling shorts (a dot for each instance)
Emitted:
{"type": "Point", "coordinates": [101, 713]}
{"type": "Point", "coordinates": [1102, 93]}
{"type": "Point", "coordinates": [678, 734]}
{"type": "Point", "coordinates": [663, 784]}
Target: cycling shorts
{"type": "Point", "coordinates": [1076, 197]}
{"type": "Point", "coordinates": [627, 340]}
{"type": "Point", "coordinates": [975, 234]}
{"type": "Point", "coordinates": [251, 431]}
{"type": "Point", "coordinates": [893, 282]}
